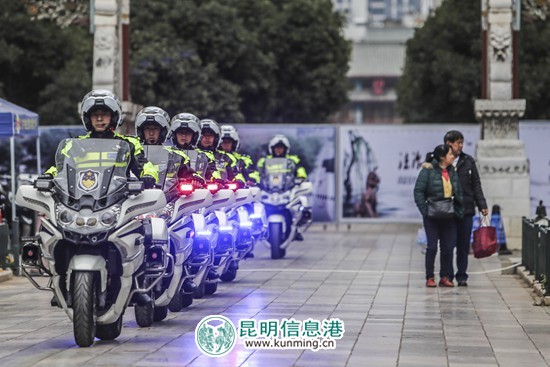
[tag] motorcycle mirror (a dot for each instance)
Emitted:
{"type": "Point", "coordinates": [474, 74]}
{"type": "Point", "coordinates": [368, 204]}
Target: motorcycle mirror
{"type": "Point", "coordinates": [135, 187]}
{"type": "Point", "coordinates": [43, 185]}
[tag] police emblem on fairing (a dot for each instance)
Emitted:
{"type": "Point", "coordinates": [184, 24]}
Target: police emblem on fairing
{"type": "Point", "coordinates": [88, 180]}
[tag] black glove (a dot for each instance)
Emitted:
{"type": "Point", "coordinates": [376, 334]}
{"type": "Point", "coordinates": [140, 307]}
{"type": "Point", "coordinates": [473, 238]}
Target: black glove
{"type": "Point", "coordinates": [240, 184]}
{"type": "Point", "coordinates": [198, 182]}
{"type": "Point", "coordinates": [45, 176]}
{"type": "Point", "coordinates": [148, 181]}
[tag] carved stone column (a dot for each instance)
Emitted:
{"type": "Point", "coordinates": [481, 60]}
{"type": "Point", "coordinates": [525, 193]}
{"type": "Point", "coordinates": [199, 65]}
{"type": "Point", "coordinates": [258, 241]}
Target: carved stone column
{"type": "Point", "coordinates": [501, 157]}
{"type": "Point", "coordinates": [111, 22]}
{"type": "Point", "coordinates": [106, 46]}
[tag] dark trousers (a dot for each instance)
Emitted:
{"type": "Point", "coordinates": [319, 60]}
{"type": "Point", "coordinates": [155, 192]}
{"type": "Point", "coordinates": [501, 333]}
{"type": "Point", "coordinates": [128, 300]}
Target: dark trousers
{"type": "Point", "coordinates": [444, 231]}
{"type": "Point", "coordinates": [463, 235]}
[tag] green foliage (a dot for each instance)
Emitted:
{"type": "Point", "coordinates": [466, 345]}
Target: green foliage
{"type": "Point", "coordinates": [442, 74]}
{"type": "Point", "coordinates": [441, 78]}
{"type": "Point", "coordinates": [43, 67]}
{"type": "Point", "coordinates": [240, 60]}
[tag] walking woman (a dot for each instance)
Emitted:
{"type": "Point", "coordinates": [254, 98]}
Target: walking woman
{"type": "Point", "coordinates": [438, 195]}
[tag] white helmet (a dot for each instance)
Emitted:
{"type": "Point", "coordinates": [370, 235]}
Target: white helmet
{"type": "Point", "coordinates": [229, 132]}
{"type": "Point", "coordinates": [185, 120]}
{"type": "Point", "coordinates": [278, 139]}
{"type": "Point", "coordinates": [101, 99]}
{"type": "Point", "coordinates": [153, 115]}
{"type": "Point", "coordinates": [211, 125]}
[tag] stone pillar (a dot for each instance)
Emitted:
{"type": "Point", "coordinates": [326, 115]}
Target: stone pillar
{"type": "Point", "coordinates": [106, 46]}
{"type": "Point", "coordinates": [501, 157]}
{"type": "Point", "coordinates": [111, 45]}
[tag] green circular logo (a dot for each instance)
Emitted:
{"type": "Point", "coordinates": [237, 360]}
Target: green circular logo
{"type": "Point", "coordinates": [215, 335]}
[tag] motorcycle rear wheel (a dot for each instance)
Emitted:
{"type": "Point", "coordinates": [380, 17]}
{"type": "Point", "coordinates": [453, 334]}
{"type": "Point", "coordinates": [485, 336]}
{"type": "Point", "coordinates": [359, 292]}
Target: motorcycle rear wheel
{"type": "Point", "coordinates": [84, 308]}
{"type": "Point", "coordinates": [275, 239]}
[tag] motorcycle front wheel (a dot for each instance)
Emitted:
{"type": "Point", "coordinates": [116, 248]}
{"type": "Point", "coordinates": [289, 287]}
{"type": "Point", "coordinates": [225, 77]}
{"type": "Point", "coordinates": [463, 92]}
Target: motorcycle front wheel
{"type": "Point", "coordinates": [275, 239]}
{"type": "Point", "coordinates": [84, 308]}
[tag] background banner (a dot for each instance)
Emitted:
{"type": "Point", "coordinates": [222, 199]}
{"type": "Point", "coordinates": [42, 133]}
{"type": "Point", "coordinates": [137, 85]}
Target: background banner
{"type": "Point", "coordinates": [536, 135]}
{"type": "Point", "coordinates": [378, 166]}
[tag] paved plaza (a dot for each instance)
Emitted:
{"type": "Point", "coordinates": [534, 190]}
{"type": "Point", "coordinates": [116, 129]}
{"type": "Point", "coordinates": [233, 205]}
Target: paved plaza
{"type": "Point", "coordinates": [371, 277]}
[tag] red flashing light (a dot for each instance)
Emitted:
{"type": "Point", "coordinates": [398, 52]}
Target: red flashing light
{"type": "Point", "coordinates": [213, 188]}
{"type": "Point", "coordinates": [232, 186]}
{"type": "Point", "coordinates": [186, 188]}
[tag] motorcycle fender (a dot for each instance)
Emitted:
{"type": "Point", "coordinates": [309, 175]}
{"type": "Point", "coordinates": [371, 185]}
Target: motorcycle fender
{"type": "Point", "coordinates": [222, 218]}
{"type": "Point", "coordinates": [160, 233]}
{"type": "Point", "coordinates": [88, 263]}
{"type": "Point", "coordinates": [277, 218]}
{"type": "Point", "coordinates": [199, 222]}
{"type": "Point", "coordinates": [243, 216]}
{"type": "Point", "coordinates": [200, 198]}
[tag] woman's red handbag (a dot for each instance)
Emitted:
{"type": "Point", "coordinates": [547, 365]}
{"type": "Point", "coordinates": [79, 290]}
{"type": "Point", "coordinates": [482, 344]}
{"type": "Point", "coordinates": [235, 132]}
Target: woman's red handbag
{"type": "Point", "coordinates": [485, 240]}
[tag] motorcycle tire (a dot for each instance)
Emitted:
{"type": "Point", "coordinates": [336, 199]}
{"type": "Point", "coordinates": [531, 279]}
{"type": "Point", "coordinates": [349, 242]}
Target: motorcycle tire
{"type": "Point", "coordinates": [109, 331]}
{"type": "Point", "coordinates": [210, 288]}
{"type": "Point", "coordinates": [199, 293]}
{"type": "Point", "coordinates": [187, 300]}
{"type": "Point", "coordinates": [176, 303]}
{"type": "Point", "coordinates": [84, 308]}
{"type": "Point", "coordinates": [275, 239]}
{"type": "Point", "coordinates": [144, 314]}
{"type": "Point", "coordinates": [160, 313]}
{"type": "Point", "coordinates": [229, 275]}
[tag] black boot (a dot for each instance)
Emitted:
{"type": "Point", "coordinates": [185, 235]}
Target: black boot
{"type": "Point", "coordinates": [189, 286]}
{"type": "Point", "coordinates": [53, 301]}
{"type": "Point", "coordinates": [212, 275]}
{"type": "Point", "coordinates": [298, 236]}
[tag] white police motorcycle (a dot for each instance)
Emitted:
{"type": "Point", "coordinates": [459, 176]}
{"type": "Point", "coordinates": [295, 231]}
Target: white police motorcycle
{"type": "Point", "coordinates": [91, 242]}
{"type": "Point", "coordinates": [283, 199]}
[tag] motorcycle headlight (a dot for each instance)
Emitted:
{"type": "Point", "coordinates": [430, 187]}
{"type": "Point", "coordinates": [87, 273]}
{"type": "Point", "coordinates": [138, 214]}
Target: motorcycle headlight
{"type": "Point", "coordinates": [66, 217]}
{"type": "Point", "coordinates": [108, 218]}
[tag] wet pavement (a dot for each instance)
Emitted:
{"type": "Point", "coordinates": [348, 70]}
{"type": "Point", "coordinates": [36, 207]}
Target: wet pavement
{"type": "Point", "coordinates": [370, 277]}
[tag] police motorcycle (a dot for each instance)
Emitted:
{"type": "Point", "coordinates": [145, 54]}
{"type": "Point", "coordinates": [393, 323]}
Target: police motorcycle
{"type": "Point", "coordinates": [91, 239]}
{"type": "Point", "coordinates": [284, 201]}
{"type": "Point", "coordinates": [189, 243]}
{"type": "Point", "coordinates": [217, 222]}
{"type": "Point", "coordinates": [239, 220]}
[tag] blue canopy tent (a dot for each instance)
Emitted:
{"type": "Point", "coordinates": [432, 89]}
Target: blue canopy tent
{"type": "Point", "coordinates": [17, 121]}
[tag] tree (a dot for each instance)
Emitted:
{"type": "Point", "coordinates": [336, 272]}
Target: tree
{"type": "Point", "coordinates": [43, 67]}
{"type": "Point", "coordinates": [240, 60]}
{"type": "Point", "coordinates": [442, 73]}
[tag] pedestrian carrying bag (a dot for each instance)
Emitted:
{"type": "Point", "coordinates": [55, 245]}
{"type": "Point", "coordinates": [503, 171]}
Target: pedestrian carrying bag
{"type": "Point", "coordinates": [485, 240]}
{"type": "Point", "coordinates": [440, 209]}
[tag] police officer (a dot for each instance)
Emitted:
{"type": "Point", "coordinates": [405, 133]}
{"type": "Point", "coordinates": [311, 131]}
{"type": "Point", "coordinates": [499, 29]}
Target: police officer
{"type": "Point", "coordinates": [185, 132]}
{"type": "Point", "coordinates": [230, 143]}
{"type": "Point", "coordinates": [152, 128]}
{"type": "Point", "coordinates": [101, 114]}
{"type": "Point", "coordinates": [279, 147]}
{"type": "Point", "coordinates": [225, 162]}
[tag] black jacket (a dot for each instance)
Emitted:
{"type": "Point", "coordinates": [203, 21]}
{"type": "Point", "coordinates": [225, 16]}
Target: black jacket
{"type": "Point", "coordinates": [468, 175]}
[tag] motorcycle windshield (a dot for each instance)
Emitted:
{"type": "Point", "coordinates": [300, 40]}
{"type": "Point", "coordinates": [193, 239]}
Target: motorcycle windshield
{"type": "Point", "coordinates": [278, 175]}
{"type": "Point", "coordinates": [167, 163]}
{"type": "Point", "coordinates": [93, 167]}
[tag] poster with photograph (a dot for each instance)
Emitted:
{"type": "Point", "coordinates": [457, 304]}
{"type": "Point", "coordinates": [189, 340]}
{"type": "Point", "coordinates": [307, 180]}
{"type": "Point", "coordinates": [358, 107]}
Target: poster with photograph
{"type": "Point", "coordinates": [314, 145]}
{"type": "Point", "coordinates": [379, 165]}
{"type": "Point", "coordinates": [535, 135]}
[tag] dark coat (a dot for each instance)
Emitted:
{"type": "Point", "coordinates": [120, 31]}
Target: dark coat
{"type": "Point", "coordinates": [429, 184]}
{"type": "Point", "coordinates": [468, 176]}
